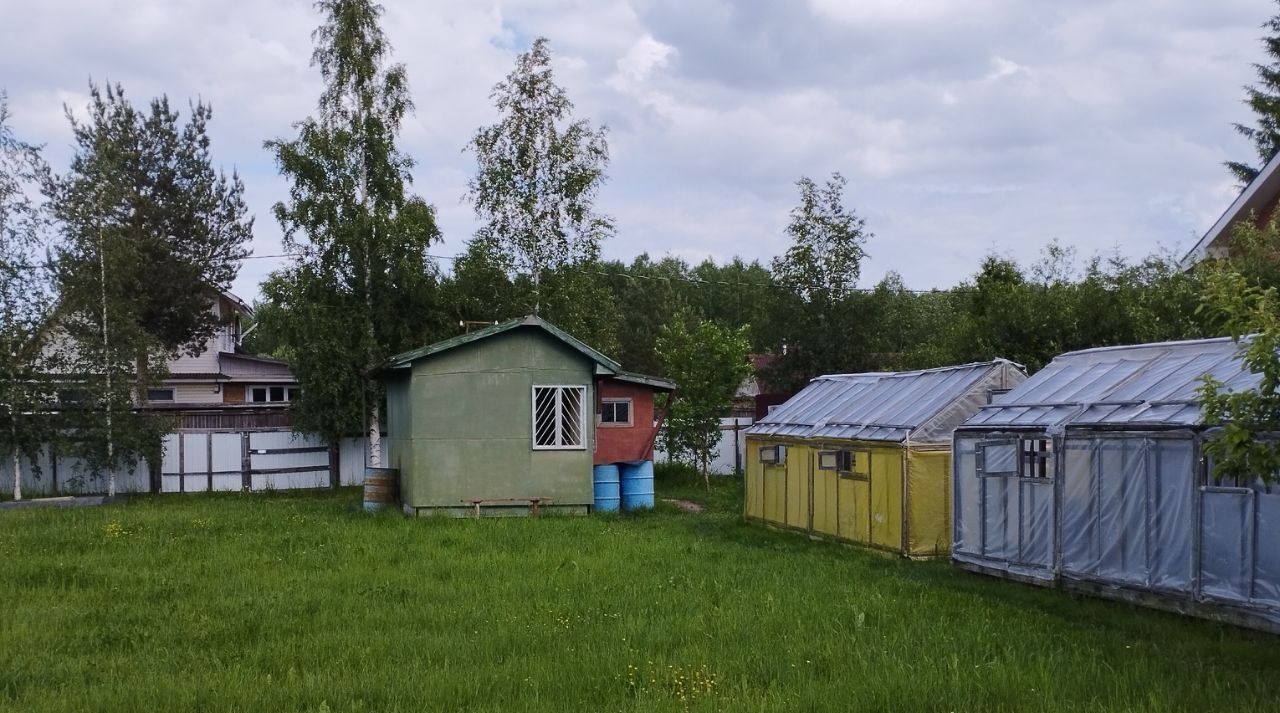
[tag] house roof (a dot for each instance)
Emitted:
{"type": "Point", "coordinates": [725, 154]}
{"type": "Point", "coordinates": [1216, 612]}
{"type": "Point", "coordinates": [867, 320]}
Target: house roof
{"type": "Point", "coordinates": [604, 365]}
{"type": "Point", "coordinates": [1152, 385]}
{"type": "Point", "coordinates": [884, 406]}
{"type": "Point", "coordinates": [1263, 190]}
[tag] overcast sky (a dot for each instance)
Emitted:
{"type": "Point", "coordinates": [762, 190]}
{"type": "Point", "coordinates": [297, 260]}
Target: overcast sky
{"type": "Point", "coordinates": [964, 126]}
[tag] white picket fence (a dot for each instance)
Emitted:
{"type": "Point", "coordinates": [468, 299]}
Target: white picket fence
{"type": "Point", "coordinates": [195, 461]}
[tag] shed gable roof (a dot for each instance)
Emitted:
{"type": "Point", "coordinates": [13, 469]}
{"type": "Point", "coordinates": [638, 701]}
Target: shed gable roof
{"type": "Point", "coordinates": [603, 364]}
{"type": "Point", "coordinates": [878, 406]}
{"type": "Point", "coordinates": [1148, 385]}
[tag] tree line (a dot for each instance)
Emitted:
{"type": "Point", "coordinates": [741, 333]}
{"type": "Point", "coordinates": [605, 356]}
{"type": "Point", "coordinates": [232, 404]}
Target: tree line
{"type": "Point", "coordinates": [106, 269]}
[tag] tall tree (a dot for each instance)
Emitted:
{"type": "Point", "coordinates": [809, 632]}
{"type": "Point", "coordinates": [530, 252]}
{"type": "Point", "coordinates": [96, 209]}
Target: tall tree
{"type": "Point", "coordinates": [818, 320]}
{"type": "Point", "coordinates": [1264, 99]}
{"type": "Point", "coordinates": [28, 358]}
{"type": "Point", "coordinates": [150, 232]}
{"type": "Point", "coordinates": [362, 270]}
{"type": "Point", "coordinates": [708, 362]}
{"type": "Point", "coordinates": [538, 174]}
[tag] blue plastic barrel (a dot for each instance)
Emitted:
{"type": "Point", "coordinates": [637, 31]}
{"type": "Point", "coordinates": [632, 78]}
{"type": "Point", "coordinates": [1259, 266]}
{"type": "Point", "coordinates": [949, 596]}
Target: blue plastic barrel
{"type": "Point", "coordinates": [637, 485]}
{"type": "Point", "coordinates": [605, 479]}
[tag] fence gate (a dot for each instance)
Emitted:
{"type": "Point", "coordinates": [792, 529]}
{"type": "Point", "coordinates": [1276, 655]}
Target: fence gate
{"type": "Point", "coordinates": [201, 461]}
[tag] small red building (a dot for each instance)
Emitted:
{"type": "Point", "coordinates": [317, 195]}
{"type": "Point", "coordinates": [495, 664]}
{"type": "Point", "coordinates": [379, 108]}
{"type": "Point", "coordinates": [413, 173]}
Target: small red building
{"type": "Point", "coordinates": [626, 420]}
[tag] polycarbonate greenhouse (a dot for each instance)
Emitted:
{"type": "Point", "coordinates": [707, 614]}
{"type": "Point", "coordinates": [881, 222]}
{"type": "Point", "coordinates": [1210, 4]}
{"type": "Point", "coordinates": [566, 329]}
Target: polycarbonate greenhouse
{"type": "Point", "coordinates": [1091, 476]}
{"type": "Point", "coordinates": [866, 458]}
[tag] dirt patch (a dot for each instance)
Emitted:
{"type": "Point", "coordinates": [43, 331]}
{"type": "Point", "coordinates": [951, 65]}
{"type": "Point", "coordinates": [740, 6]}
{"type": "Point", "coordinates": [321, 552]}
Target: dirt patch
{"type": "Point", "coordinates": [686, 505]}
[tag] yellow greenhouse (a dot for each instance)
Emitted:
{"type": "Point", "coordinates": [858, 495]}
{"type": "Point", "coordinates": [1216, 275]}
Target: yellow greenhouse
{"type": "Point", "coordinates": [866, 458]}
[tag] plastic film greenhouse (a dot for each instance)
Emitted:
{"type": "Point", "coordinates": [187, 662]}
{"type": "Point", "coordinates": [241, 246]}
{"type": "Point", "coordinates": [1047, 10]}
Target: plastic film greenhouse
{"type": "Point", "coordinates": [1090, 475]}
{"type": "Point", "coordinates": [866, 458]}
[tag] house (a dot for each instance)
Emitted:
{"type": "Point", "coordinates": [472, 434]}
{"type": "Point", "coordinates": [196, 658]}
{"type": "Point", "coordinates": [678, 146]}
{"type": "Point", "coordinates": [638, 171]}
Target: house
{"type": "Point", "coordinates": [1256, 203]}
{"type": "Point", "coordinates": [866, 458]}
{"type": "Point", "coordinates": [1091, 476]}
{"type": "Point", "coordinates": [512, 417]}
{"type": "Point", "coordinates": [223, 387]}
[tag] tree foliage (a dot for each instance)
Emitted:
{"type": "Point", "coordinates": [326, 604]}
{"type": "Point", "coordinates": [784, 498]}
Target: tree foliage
{"type": "Point", "coordinates": [1245, 447]}
{"type": "Point", "coordinates": [150, 230]}
{"type": "Point", "coordinates": [537, 176]}
{"type": "Point", "coordinates": [28, 357]}
{"type": "Point", "coordinates": [708, 362]}
{"type": "Point", "coordinates": [1263, 99]}
{"type": "Point", "coordinates": [363, 287]}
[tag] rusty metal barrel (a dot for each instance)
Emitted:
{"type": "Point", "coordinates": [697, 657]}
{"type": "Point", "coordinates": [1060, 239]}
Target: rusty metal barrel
{"type": "Point", "coordinates": [381, 488]}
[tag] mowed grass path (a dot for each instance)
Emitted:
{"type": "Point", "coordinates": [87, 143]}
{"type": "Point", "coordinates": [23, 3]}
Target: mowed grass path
{"type": "Point", "coordinates": [301, 603]}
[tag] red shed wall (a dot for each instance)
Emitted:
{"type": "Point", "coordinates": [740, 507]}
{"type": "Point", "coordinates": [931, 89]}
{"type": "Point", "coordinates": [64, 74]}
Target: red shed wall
{"type": "Point", "coordinates": [634, 442]}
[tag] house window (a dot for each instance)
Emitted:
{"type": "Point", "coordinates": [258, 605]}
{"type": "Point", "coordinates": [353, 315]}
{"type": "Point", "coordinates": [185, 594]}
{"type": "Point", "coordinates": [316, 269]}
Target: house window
{"type": "Point", "coordinates": [773, 455]}
{"type": "Point", "coordinates": [615, 412]}
{"type": "Point", "coordinates": [271, 394]}
{"type": "Point", "coordinates": [842, 461]}
{"type": "Point", "coordinates": [558, 417]}
{"type": "Point", "coordinates": [159, 394]}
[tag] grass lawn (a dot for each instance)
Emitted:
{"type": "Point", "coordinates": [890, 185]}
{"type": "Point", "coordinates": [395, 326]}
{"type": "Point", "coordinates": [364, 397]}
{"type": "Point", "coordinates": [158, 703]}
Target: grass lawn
{"type": "Point", "coordinates": [298, 602]}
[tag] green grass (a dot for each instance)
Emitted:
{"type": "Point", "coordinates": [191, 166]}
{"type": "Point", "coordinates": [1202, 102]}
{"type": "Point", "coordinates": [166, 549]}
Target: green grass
{"type": "Point", "coordinates": [302, 603]}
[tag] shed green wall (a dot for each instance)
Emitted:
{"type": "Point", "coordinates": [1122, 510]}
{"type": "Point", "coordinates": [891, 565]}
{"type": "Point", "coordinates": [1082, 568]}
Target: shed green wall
{"type": "Point", "coordinates": [460, 426]}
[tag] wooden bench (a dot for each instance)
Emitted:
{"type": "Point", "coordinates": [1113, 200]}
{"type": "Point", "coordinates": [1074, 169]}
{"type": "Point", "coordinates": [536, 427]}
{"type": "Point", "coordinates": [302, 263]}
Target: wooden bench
{"type": "Point", "coordinates": [534, 503]}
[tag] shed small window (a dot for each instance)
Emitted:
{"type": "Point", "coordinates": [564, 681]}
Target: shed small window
{"type": "Point", "coordinates": [773, 455]}
{"type": "Point", "coordinates": [615, 412]}
{"type": "Point", "coordinates": [842, 461]}
{"type": "Point", "coordinates": [558, 416]}
{"type": "Point", "coordinates": [998, 458]}
{"type": "Point", "coordinates": [1036, 459]}
{"type": "Point", "coordinates": [160, 394]}
{"type": "Point", "coordinates": [1017, 458]}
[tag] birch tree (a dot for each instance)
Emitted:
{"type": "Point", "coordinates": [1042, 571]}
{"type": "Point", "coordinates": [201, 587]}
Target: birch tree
{"type": "Point", "coordinates": [27, 357]}
{"type": "Point", "coordinates": [363, 284]}
{"type": "Point", "coordinates": [537, 175]}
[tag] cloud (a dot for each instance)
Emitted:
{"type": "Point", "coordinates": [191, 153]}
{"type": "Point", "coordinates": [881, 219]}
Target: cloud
{"type": "Point", "coordinates": [962, 126]}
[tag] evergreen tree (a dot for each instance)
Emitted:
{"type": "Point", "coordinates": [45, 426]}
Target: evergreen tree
{"type": "Point", "coordinates": [28, 357]}
{"type": "Point", "coordinates": [1264, 99]}
{"type": "Point", "coordinates": [363, 287]}
{"type": "Point", "coordinates": [538, 173]}
{"type": "Point", "coordinates": [150, 232]}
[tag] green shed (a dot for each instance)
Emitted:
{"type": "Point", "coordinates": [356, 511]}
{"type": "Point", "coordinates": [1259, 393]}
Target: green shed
{"type": "Point", "coordinates": [499, 421]}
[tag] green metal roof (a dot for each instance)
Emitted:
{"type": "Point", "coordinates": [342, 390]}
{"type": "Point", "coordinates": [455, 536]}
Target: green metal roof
{"type": "Point", "coordinates": [602, 362]}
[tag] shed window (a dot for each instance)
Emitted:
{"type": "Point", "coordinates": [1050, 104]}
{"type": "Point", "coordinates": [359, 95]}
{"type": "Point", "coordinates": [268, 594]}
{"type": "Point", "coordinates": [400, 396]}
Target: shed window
{"type": "Point", "coordinates": [558, 416]}
{"type": "Point", "coordinates": [160, 394]}
{"type": "Point", "coordinates": [1017, 458]}
{"type": "Point", "coordinates": [1036, 458]}
{"type": "Point", "coordinates": [773, 455]}
{"type": "Point", "coordinates": [998, 458]}
{"type": "Point", "coordinates": [842, 461]}
{"type": "Point", "coordinates": [615, 412]}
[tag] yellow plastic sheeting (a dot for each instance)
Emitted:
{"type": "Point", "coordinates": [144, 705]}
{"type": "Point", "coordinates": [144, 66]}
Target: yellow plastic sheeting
{"type": "Point", "coordinates": [798, 470]}
{"type": "Point", "coordinates": [929, 503]}
{"type": "Point", "coordinates": [753, 484]}
{"type": "Point", "coordinates": [854, 510]}
{"type": "Point", "coordinates": [886, 498]}
{"type": "Point", "coordinates": [826, 495]}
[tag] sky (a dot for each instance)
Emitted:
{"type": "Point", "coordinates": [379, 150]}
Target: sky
{"type": "Point", "coordinates": [965, 127]}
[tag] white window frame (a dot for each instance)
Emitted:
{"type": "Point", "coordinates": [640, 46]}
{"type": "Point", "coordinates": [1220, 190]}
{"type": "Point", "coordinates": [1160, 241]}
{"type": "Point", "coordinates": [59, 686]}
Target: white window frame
{"type": "Point", "coordinates": [582, 417]}
{"type": "Point", "coordinates": [173, 395]}
{"type": "Point", "coordinates": [617, 424]}
{"type": "Point", "coordinates": [248, 392]}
